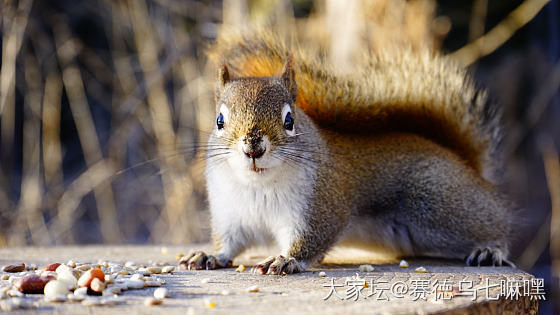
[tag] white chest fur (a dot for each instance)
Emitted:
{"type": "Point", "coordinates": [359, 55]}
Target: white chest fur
{"type": "Point", "coordinates": [252, 211]}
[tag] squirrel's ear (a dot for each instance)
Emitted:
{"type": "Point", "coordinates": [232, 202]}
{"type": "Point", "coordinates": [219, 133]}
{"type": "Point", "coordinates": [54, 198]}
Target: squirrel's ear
{"type": "Point", "coordinates": [223, 76]}
{"type": "Point", "coordinates": [288, 77]}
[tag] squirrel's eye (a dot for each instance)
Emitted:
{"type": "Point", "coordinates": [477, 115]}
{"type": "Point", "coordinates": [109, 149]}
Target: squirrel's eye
{"type": "Point", "coordinates": [220, 121]}
{"type": "Point", "coordinates": [289, 122]}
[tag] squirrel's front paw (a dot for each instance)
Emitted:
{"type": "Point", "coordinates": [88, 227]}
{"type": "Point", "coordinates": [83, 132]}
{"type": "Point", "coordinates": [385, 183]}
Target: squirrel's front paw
{"type": "Point", "coordinates": [278, 265]}
{"type": "Point", "coordinates": [487, 257]}
{"type": "Point", "coordinates": [198, 260]}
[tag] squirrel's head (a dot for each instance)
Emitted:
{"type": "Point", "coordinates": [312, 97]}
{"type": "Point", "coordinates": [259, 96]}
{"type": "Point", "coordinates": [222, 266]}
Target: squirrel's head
{"type": "Point", "coordinates": [255, 118]}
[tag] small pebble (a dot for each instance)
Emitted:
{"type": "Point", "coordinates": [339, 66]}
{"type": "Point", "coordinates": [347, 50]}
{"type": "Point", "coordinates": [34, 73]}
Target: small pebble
{"type": "Point", "coordinates": [164, 251]}
{"type": "Point", "coordinates": [84, 267]}
{"type": "Point", "coordinates": [14, 268]}
{"type": "Point", "coordinates": [71, 263]}
{"type": "Point", "coordinates": [403, 264]}
{"type": "Point", "coordinates": [225, 292]}
{"type": "Point", "coordinates": [5, 277]}
{"type": "Point", "coordinates": [240, 268]}
{"type": "Point", "coordinates": [137, 276]}
{"type": "Point", "coordinates": [205, 280]}
{"type": "Point", "coordinates": [75, 298]}
{"type": "Point", "coordinates": [81, 291]}
{"type": "Point", "coordinates": [179, 256]}
{"type": "Point", "coordinates": [54, 288]}
{"type": "Point", "coordinates": [152, 283]}
{"type": "Point", "coordinates": [161, 293]}
{"type": "Point", "coordinates": [168, 269]}
{"type": "Point", "coordinates": [253, 289]}
{"type": "Point", "coordinates": [152, 301]}
{"type": "Point", "coordinates": [366, 268]}
{"type": "Point", "coordinates": [322, 274]}
{"type": "Point", "coordinates": [420, 270]}
{"type": "Point", "coordinates": [134, 284]}
{"type": "Point", "coordinates": [15, 293]}
{"type": "Point", "coordinates": [153, 269]}
{"type": "Point", "coordinates": [97, 285]}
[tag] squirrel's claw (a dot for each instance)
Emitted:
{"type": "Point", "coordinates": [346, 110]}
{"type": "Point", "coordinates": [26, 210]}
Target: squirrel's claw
{"type": "Point", "coordinates": [278, 265]}
{"type": "Point", "coordinates": [487, 257]}
{"type": "Point", "coordinates": [199, 260]}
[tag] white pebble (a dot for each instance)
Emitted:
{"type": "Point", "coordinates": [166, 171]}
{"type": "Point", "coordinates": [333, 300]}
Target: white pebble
{"type": "Point", "coordinates": [403, 264]}
{"type": "Point", "coordinates": [14, 293]}
{"type": "Point", "coordinates": [68, 278]}
{"type": "Point", "coordinates": [81, 291]}
{"type": "Point", "coordinates": [420, 270]}
{"type": "Point", "coordinates": [56, 287]}
{"type": "Point", "coordinates": [225, 292]}
{"type": "Point", "coordinates": [322, 274]}
{"type": "Point", "coordinates": [253, 289]}
{"type": "Point", "coordinates": [134, 284]}
{"type": "Point", "coordinates": [137, 276]}
{"type": "Point", "coordinates": [154, 269]}
{"type": "Point", "coordinates": [161, 293]}
{"type": "Point", "coordinates": [366, 268]}
{"type": "Point", "coordinates": [168, 269]}
{"type": "Point", "coordinates": [205, 280]}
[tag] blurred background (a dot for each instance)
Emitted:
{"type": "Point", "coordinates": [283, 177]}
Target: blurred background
{"type": "Point", "coordinates": [103, 104]}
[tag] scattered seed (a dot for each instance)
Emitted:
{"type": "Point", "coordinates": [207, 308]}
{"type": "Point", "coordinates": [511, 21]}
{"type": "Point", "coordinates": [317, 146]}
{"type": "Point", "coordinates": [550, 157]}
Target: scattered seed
{"type": "Point", "coordinates": [322, 274]}
{"type": "Point", "coordinates": [168, 269]}
{"type": "Point", "coordinates": [209, 304]}
{"type": "Point", "coordinates": [51, 267]}
{"type": "Point", "coordinates": [153, 269]}
{"type": "Point", "coordinates": [240, 268]}
{"type": "Point", "coordinates": [366, 268]}
{"type": "Point", "coordinates": [403, 264]}
{"type": "Point", "coordinates": [97, 285]}
{"type": "Point", "coordinates": [14, 268]}
{"type": "Point", "coordinates": [14, 293]}
{"type": "Point", "coordinates": [134, 284]}
{"type": "Point", "coordinates": [152, 283]}
{"type": "Point", "coordinates": [253, 289]}
{"type": "Point", "coordinates": [55, 287]}
{"type": "Point", "coordinates": [81, 291]}
{"type": "Point", "coordinates": [152, 301]}
{"type": "Point", "coordinates": [420, 270]}
{"type": "Point", "coordinates": [161, 293]}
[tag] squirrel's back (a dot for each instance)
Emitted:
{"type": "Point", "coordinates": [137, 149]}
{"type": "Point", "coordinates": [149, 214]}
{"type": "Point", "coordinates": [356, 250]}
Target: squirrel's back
{"type": "Point", "coordinates": [397, 90]}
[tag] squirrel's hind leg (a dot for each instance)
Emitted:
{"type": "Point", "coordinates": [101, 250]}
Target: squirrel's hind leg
{"type": "Point", "coordinates": [451, 212]}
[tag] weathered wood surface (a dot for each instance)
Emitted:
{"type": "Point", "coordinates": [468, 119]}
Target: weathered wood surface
{"type": "Point", "coordinates": [300, 293]}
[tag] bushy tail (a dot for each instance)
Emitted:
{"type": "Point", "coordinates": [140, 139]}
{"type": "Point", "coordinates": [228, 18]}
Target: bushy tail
{"type": "Point", "coordinates": [398, 90]}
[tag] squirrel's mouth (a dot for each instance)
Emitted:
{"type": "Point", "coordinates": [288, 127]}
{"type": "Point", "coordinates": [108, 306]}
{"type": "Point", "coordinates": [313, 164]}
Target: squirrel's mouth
{"type": "Point", "coordinates": [256, 169]}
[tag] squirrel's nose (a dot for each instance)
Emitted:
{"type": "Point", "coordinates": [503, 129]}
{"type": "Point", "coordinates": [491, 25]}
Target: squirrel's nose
{"type": "Point", "coordinates": [254, 153]}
